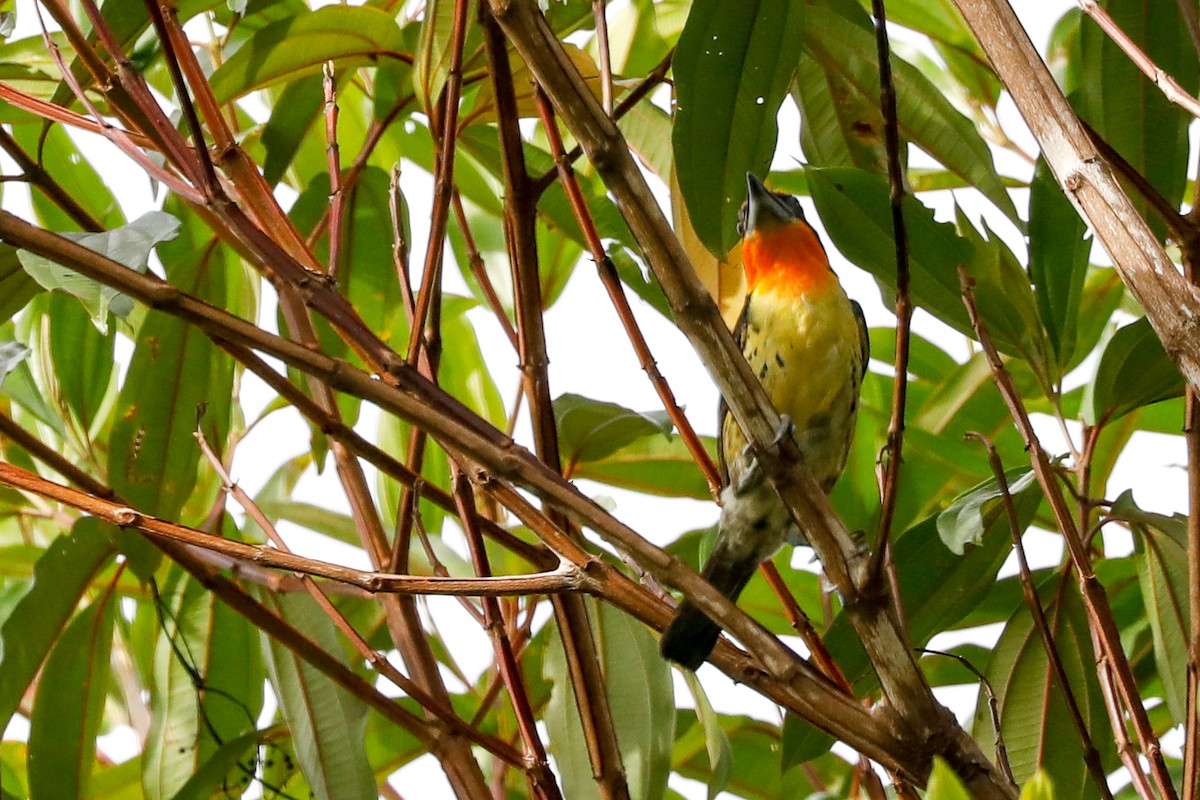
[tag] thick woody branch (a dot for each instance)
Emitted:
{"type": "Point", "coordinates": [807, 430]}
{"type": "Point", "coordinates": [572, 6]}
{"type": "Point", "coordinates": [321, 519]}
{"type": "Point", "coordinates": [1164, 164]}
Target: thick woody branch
{"type": "Point", "coordinates": [1172, 305]}
{"type": "Point", "coordinates": [776, 671]}
{"type": "Point", "coordinates": [905, 688]}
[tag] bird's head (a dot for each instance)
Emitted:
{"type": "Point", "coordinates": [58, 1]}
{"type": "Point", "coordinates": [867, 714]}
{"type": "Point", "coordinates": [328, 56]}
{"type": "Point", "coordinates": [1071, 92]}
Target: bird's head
{"type": "Point", "coordinates": [780, 251]}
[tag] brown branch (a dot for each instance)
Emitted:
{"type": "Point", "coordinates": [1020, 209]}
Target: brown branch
{"type": "Point", "coordinates": [541, 779]}
{"type": "Point", "coordinates": [36, 175]}
{"type": "Point", "coordinates": [1167, 84]}
{"type": "Point", "coordinates": [447, 127]}
{"type": "Point", "coordinates": [775, 670]}
{"type": "Point", "coordinates": [895, 436]}
{"type": "Point", "coordinates": [616, 294]}
{"type": "Point", "coordinates": [1172, 305]}
{"type": "Point", "coordinates": [1095, 597]}
{"type": "Point", "coordinates": [927, 725]}
{"type": "Point", "coordinates": [636, 95]}
{"type": "Point", "coordinates": [337, 197]}
{"type": "Point", "coordinates": [565, 579]}
{"type": "Point", "coordinates": [1091, 756]}
{"type": "Point", "coordinates": [520, 232]}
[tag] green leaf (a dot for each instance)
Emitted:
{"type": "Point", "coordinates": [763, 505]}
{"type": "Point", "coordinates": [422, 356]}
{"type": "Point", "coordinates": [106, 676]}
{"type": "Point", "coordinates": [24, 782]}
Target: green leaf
{"type": "Point", "coordinates": [296, 108]}
{"type": "Point", "coordinates": [69, 706]}
{"type": "Point", "coordinates": [1033, 714]}
{"type": "Point", "coordinates": [732, 68]}
{"type": "Point", "coordinates": [839, 37]}
{"type": "Point", "coordinates": [720, 752]}
{"type": "Point", "coordinates": [327, 723]}
{"type": "Point", "coordinates": [1058, 260]}
{"type": "Point", "coordinates": [188, 728]}
{"type": "Point", "coordinates": [592, 429]}
{"type": "Point", "coordinates": [1134, 371]}
{"type": "Point", "coordinates": [937, 587]}
{"type": "Point", "coordinates": [129, 245]}
{"type": "Point", "coordinates": [944, 784]}
{"type": "Point", "coordinates": [66, 166]}
{"type": "Point", "coordinates": [20, 385]}
{"type": "Point", "coordinates": [655, 464]}
{"type": "Point", "coordinates": [841, 127]}
{"type": "Point", "coordinates": [802, 741]}
{"type": "Point", "coordinates": [297, 46]}
{"type": "Point", "coordinates": [855, 209]}
{"type": "Point", "coordinates": [432, 62]}
{"type": "Point", "coordinates": [965, 520]}
{"type": "Point", "coordinates": [1163, 577]}
{"type": "Point", "coordinates": [212, 778]}
{"type": "Point", "coordinates": [1039, 787]}
{"type": "Point", "coordinates": [756, 772]}
{"type": "Point", "coordinates": [16, 287]}
{"type": "Point", "coordinates": [941, 21]}
{"type": "Point", "coordinates": [60, 579]}
{"type": "Point", "coordinates": [1127, 108]}
{"type": "Point", "coordinates": [642, 703]}
{"type": "Point", "coordinates": [82, 357]}
{"type": "Point", "coordinates": [154, 457]}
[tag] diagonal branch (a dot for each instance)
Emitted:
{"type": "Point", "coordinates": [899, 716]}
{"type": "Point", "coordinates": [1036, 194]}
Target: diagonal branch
{"type": "Point", "coordinates": [1100, 616]}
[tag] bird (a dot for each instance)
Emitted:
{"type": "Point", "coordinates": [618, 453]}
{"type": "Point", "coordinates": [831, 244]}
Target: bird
{"type": "Point", "coordinates": [806, 342]}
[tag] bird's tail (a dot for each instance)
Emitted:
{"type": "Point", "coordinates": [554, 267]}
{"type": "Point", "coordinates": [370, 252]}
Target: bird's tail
{"type": "Point", "coordinates": [692, 635]}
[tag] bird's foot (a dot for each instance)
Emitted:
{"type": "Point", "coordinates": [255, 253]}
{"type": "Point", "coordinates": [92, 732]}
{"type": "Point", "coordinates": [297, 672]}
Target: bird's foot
{"type": "Point", "coordinates": [753, 476]}
{"type": "Point", "coordinates": [785, 430]}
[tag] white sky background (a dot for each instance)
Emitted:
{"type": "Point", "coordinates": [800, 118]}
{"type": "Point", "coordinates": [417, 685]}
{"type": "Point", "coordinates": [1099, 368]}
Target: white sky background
{"type": "Point", "coordinates": [590, 355]}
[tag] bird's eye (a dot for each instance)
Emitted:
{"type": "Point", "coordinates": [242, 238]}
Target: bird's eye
{"type": "Point", "coordinates": [741, 220]}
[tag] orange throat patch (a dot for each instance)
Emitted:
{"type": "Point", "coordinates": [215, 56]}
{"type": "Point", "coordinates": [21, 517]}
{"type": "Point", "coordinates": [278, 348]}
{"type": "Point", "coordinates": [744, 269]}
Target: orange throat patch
{"type": "Point", "coordinates": [788, 259]}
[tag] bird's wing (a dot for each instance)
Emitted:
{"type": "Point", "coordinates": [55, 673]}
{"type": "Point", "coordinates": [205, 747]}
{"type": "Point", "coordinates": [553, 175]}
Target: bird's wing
{"type": "Point", "coordinates": [739, 336]}
{"type": "Point", "coordinates": [864, 339]}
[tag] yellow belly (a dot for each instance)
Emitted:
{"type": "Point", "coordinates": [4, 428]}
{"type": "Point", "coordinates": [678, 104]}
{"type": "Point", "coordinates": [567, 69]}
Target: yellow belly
{"type": "Point", "coordinates": [805, 349]}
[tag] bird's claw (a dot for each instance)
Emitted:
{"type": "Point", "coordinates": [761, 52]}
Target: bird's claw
{"type": "Point", "coordinates": [753, 476]}
{"type": "Point", "coordinates": [785, 430]}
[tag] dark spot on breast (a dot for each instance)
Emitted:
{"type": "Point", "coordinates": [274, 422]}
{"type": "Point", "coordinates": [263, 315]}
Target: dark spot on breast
{"type": "Point", "coordinates": [760, 524]}
{"type": "Point", "coordinates": [779, 359]}
{"type": "Point", "coordinates": [762, 372]}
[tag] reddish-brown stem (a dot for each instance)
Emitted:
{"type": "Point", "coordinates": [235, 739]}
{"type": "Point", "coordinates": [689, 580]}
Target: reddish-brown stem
{"type": "Point", "coordinates": [1167, 84]}
{"type": "Point", "coordinates": [616, 293]}
{"type": "Point", "coordinates": [337, 198]}
{"type": "Point", "coordinates": [1095, 597]}
{"type": "Point", "coordinates": [541, 780]}
{"type": "Point", "coordinates": [892, 458]}
{"type": "Point", "coordinates": [1090, 755]}
{"type": "Point", "coordinates": [446, 128]}
{"type": "Point", "coordinates": [479, 271]}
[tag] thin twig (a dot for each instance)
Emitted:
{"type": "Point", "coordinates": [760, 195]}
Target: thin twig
{"type": "Point", "coordinates": [1090, 755]}
{"type": "Point", "coordinates": [541, 779]}
{"type": "Point", "coordinates": [1167, 84]}
{"type": "Point", "coordinates": [606, 78]}
{"type": "Point", "coordinates": [479, 271]}
{"type": "Point", "coordinates": [893, 457]}
{"type": "Point", "coordinates": [616, 294]}
{"type": "Point", "coordinates": [1095, 597]}
{"type": "Point", "coordinates": [337, 197]}
{"type": "Point", "coordinates": [447, 129]}
{"type": "Point", "coordinates": [993, 705]}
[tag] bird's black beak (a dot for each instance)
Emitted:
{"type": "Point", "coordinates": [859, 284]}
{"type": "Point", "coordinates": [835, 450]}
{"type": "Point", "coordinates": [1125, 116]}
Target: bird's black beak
{"type": "Point", "coordinates": [764, 209]}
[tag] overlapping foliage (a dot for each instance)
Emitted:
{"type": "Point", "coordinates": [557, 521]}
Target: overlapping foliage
{"type": "Point", "coordinates": [101, 631]}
